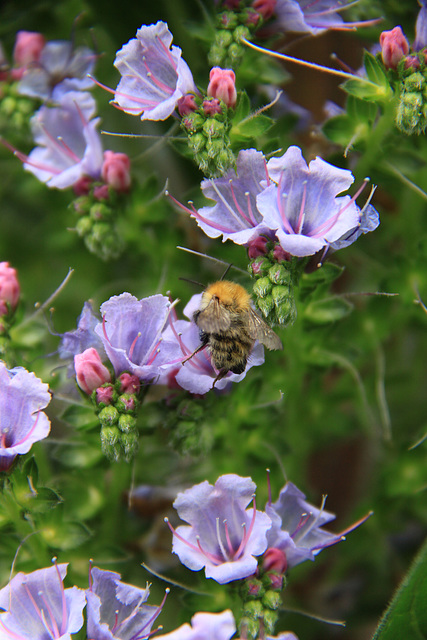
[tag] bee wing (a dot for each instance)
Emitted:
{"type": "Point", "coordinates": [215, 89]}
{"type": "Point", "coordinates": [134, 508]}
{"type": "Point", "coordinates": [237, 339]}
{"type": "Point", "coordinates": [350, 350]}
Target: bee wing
{"type": "Point", "coordinates": [214, 318]}
{"type": "Point", "coordinates": [259, 330]}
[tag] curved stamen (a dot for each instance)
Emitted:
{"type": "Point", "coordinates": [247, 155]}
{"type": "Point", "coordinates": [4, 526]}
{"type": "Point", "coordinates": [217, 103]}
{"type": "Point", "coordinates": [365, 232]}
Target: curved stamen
{"type": "Point", "coordinates": [193, 212]}
{"type": "Point", "coordinates": [168, 52]}
{"type": "Point", "coordinates": [238, 207]}
{"type": "Point", "coordinates": [198, 547]}
{"type": "Point", "coordinates": [158, 83]}
{"type": "Point", "coordinates": [246, 534]}
{"type": "Point", "coordinates": [10, 634]}
{"type": "Point", "coordinates": [330, 222]}
{"type": "Point", "coordinates": [40, 613]}
{"type": "Point", "coordinates": [132, 346]}
{"type": "Point", "coordinates": [220, 542]}
{"type": "Point", "coordinates": [63, 599]}
{"type": "Point", "coordinates": [207, 554]}
{"type": "Point", "coordinates": [227, 537]}
{"type": "Point", "coordinates": [303, 520]}
{"type": "Point", "coordinates": [251, 213]}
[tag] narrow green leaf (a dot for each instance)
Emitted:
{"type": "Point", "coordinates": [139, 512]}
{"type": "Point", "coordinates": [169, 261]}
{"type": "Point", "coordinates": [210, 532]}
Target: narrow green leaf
{"type": "Point", "coordinates": [327, 310]}
{"type": "Point", "coordinates": [406, 617]}
{"type": "Point", "coordinates": [374, 70]}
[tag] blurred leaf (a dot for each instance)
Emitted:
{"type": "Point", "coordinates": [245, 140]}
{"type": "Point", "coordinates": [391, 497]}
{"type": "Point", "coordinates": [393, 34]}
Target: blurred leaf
{"type": "Point", "coordinates": [327, 310]}
{"type": "Point", "coordinates": [324, 275]}
{"type": "Point", "coordinates": [406, 616]}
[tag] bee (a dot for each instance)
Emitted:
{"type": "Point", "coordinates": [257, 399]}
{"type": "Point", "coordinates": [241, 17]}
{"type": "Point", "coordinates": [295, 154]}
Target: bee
{"type": "Point", "coordinates": [229, 327]}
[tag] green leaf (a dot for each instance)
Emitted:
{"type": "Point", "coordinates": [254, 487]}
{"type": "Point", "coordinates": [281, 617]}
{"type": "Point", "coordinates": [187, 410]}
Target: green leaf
{"type": "Point", "coordinates": [250, 127]}
{"type": "Point", "coordinates": [243, 107]}
{"type": "Point", "coordinates": [327, 310]}
{"type": "Point", "coordinates": [374, 70]}
{"type": "Point", "coordinates": [324, 275]}
{"type": "Point", "coordinates": [406, 617]}
{"type": "Point", "coordinates": [367, 90]}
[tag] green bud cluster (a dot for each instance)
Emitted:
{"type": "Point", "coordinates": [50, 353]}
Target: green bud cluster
{"type": "Point", "coordinates": [15, 110]}
{"type": "Point", "coordinates": [411, 113]}
{"type": "Point", "coordinates": [261, 602]}
{"type": "Point", "coordinates": [209, 140]}
{"type": "Point", "coordinates": [274, 289]}
{"type": "Point", "coordinates": [119, 432]}
{"type": "Point", "coordinates": [96, 224]}
{"type": "Point", "coordinates": [227, 50]}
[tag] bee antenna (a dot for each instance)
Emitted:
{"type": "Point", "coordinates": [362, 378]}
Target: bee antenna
{"type": "Point", "coordinates": [199, 284]}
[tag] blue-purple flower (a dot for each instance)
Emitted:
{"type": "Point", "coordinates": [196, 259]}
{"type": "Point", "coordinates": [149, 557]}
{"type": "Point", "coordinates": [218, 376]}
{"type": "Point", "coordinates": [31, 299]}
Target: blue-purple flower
{"type": "Point", "coordinates": [297, 527]}
{"type": "Point", "coordinates": [116, 610]}
{"type": "Point", "coordinates": [59, 67]}
{"type": "Point", "coordinates": [197, 375]}
{"type": "Point", "coordinates": [154, 75]}
{"type": "Point", "coordinates": [222, 535]}
{"type": "Point", "coordinates": [313, 16]}
{"type": "Point", "coordinates": [131, 332]}
{"type": "Point", "coordinates": [235, 215]}
{"type": "Point", "coordinates": [205, 626]}
{"type": "Point", "coordinates": [302, 205]}
{"type": "Point", "coordinates": [37, 607]}
{"type": "Point", "coordinates": [69, 146]}
{"type": "Point", "coordinates": [82, 338]}
{"type": "Point", "coordinates": [22, 421]}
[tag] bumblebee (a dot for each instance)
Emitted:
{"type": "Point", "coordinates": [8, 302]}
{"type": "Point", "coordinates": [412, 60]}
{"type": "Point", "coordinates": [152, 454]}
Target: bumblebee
{"type": "Point", "coordinates": [229, 327]}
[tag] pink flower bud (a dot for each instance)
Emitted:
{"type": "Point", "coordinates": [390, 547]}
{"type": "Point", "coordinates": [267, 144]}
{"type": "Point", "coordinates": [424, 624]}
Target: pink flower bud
{"type": "Point", "coordinates": [9, 288]}
{"type": "Point", "coordinates": [280, 255]}
{"type": "Point", "coordinates": [274, 560]}
{"type": "Point", "coordinates": [104, 395]}
{"type": "Point", "coordinates": [90, 372]}
{"type": "Point", "coordinates": [82, 186]}
{"type": "Point", "coordinates": [412, 61]}
{"type": "Point", "coordinates": [211, 106]}
{"type": "Point", "coordinates": [129, 383]}
{"type": "Point", "coordinates": [394, 46]}
{"type": "Point", "coordinates": [257, 247]}
{"type": "Point", "coordinates": [265, 8]}
{"type": "Point", "coordinates": [222, 85]}
{"type": "Point", "coordinates": [186, 104]}
{"type": "Point", "coordinates": [101, 192]}
{"type": "Point", "coordinates": [28, 47]}
{"type": "Point", "coordinates": [116, 170]}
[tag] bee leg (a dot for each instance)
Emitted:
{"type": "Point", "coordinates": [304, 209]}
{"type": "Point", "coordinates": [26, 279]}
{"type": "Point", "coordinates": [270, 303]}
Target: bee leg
{"type": "Point", "coordinates": [202, 346]}
{"type": "Point", "coordinates": [220, 376]}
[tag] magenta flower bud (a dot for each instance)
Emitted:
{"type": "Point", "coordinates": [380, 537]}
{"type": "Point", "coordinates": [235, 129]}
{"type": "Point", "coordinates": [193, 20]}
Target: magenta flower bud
{"type": "Point", "coordinates": [222, 85]}
{"type": "Point", "coordinates": [9, 288]}
{"type": "Point", "coordinates": [129, 383]}
{"type": "Point", "coordinates": [104, 395]}
{"type": "Point", "coordinates": [28, 47]}
{"type": "Point", "coordinates": [116, 170]}
{"type": "Point", "coordinates": [274, 560]}
{"type": "Point", "coordinates": [280, 255]}
{"type": "Point", "coordinates": [257, 247]}
{"type": "Point", "coordinates": [264, 7]}
{"type": "Point", "coordinates": [211, 106]}
{"type": "Point", "coordinates": [186, 104]}
{"type": "Point", "coordinates": [101, 193]}
{"type": "Point", "coordinates": [394, 46]}
{"type": "Point", "coordinates": [412, 61]}
{"type": "Point", "coordinates": [82, 186]}
{"type": "Point", "coordinates": [90, 372]}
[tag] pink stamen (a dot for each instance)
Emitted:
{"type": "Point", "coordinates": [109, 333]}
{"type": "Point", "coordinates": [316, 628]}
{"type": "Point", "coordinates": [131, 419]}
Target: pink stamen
{"type": "Point", "coordinates": [356, 524]}
{"type": "Point", "coordinates": [139, 635]}
{"type": "Point", "coordinates": [52, 619]}
{"type": "Point", "coordinates": [11, 634]}
{"type": "Point", "coordinates": [251, 213]}
{"type": "Point", "coordinates": [132, 346]}
{"type": "Point", "coordinates": [61, 146]}
{"type": "Point", "coordinates": [238, 207]}
{"type": "Point", "coordinates": [167, 52]}
{"type": "Point", "coordinates": [301, 212]}
{"type": "Point", "coordinates": [246, 534]}
{"type": "Point", "coordinates": [104, 330]}
{"type": "Point", "coordinates": [227, 537]}
{"type": "Point", "coordinates": [90, 579]}
{"type": "Point", "coordinates": [116, 619]}
{"type": "Point", "coordinates": [266, 172]}
{"type": "Point", "coordinates": [153, 355]}
{"type": "Point", "coordinates": [210, 556]}
{"type": "Point", "coordinates": [281, 203]}
{"type": "Point", "coordinates": [39, 613]}
{"type": "Point", "coordinates": [158, 83]}
{"type": "Point", "coordinates": [193, 212]}
{"type": "Point", "coordinates": [328, 224]}
{"type": "Point", "coordinates": [3, 441]}
{"type": "Point", "coordinates": [269, 486]}
{"type": "Point", "coordinates": [151, 103]}
{"type": "Point", "coordinates": [303, 520]}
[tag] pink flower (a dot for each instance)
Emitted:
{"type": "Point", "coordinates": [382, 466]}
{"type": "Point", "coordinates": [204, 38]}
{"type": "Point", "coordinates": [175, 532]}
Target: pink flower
{"type": "Point", "coordinates": [394, 46]}
{"type": "Point", "coordinates": [222, 85]}
{"type": "Point", "coordinates": [28, 47]}
{"type": "Point", "coordinates": [90, 372]}
{"type": "Point", "coordinates": [116, 170]}
{"type": "Point", "coordinates": [9, 288]}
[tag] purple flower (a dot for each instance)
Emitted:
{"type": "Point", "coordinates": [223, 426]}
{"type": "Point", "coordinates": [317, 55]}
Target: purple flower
{"type": "Point", "coordinates": [154, 76]}
{"type": "Point", "coordinates": [82, 338]}
{"type": "Point", "coordinates": [116, 610]}
{"type": "Point", "coordinates": [37, 607]}
{"type": "Point", "coordinates": [313, 16]}
{"type": "Point", "coordinates": [131, 332]}
{"type": "Point", "coordinates": [421, 28]}
{"type": "Point", "coordinates": [22, 423]}
{"type": "Point", "coordinates": [58, 67]}
{"type": "Point", "coordinates": [197, 375]}
{"type": "Point", "coordinates": [297, 526]}
{"type": "Point", "coordinates": [303, 208]}
{"type": "Point", "coordinates": [223, 537]}
{"type": "Point", "coordinates": [235, 215]}
{"type": "Point", "coordinates": [205, 626]}
{"type": "Point", "coordinates": [369, 221]}
{"type": "Point", "coordinates": [69, 147]}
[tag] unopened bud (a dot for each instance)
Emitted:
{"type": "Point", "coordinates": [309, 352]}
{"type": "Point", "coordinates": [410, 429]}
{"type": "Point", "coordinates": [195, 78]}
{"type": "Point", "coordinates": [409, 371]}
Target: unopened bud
{"type": "Point", "coordinates": [129, 383]}
{"type": "Point", "coordinates": [280, 255]}
{"type": "Point", "coordinates": [186, 104]}
{"type": "Point", "coordinates": [394, 46]}
{"type": "Point", "coordinates": [211, 106]}
{"type": "Point", "coordinates": [105, 395]}
{"type": "Point", "coordinates": [274, 560]}
{"type": "Point", "coordinates": [28, 47]}
{"type": "Point", "coordinates": [116, 170]}
{"type": "Point", "coordinates": [266, 305]}
{"type": "Point", "coordinates": [108, 416]}
{"type": "Point", "coordinates": [222, 85]}
{"type": "Point", "coordinates": [271, 600]}
{"type": "Point", "coordinates": [279, 274]}
{"type": "Point", "coordinates": [126, 403]}
{"type": "Point", "coordinates": [9, 289]}
{"type": "Point", "coordinates": [265, 8]}
{"type": "Point", "coordinates": [262, 287]}
{"type": "Point", "coordinates": [126, 423]}
{"type": "Point", "coordinates": [257, 247]}
{"type": "Point", "coordinates": [90, 372]}
{"type": "Point", "coordinates": [130, 444]}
